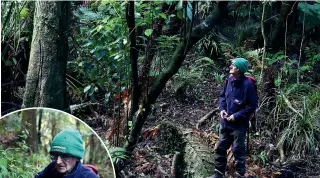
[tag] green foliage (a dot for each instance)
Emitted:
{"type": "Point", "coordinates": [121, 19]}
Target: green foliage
{"type": "Point", "coordinates": [209, 42]}
{"type": "Point", "coordinates": [199, 69]}
{"type": "Point", "coordinates": [244, 31]}
{"type": "Point", "coordinates": [103, 45]}
{"type": "Point", "coordinates": [261, 158]}
{"type": "Point", "coordinates": [118, 153]}
{"type": "Point", "coordinates": [312, 14]}
{"type": "Point", "coordinates": [219, 79]}
{"type": "Point", "coordinates": [148, 32]}
{"type": "Point", "coordinates": [273, 58]}
{"type": "Point", "coordinates": [24, 13]}
{"type": "Point", "coordinates": [15, 162]}
{"type": "Point", "coordinates": [298, 107]}
{"type": "Point", "coordinates": [102, 53]}
{"type": "Point", "coordinates": [15, 23]}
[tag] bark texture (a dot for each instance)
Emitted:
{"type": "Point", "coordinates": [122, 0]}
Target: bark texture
{"type": "Point", "coordinates": [133, 58]}
{"type": "Point", "coordinates": [46, 77]}
{"type": "Point", "coordinates": [29, 127]}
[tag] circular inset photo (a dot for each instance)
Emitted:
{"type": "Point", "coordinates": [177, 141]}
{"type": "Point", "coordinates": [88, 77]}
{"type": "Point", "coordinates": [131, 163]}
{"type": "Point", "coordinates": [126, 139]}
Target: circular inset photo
{"type": "Point", "coordinates": [45, 143]}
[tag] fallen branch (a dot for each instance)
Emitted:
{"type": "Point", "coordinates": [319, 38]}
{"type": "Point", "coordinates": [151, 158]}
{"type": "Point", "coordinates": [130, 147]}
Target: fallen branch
{"type": "Point", "coordinates": [281, 152]}
{"type": "Point", "coordinates": [290, 106]}
{"type": "Point", "coordinates": [207, 116]}
{"type": "Point", "coordinates": [75, 107]}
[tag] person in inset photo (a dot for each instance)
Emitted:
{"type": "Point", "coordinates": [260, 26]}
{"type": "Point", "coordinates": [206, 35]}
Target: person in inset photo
{"type": "Point", "coordinates": [66, 152]}
{"type": "Point", "coordinates": [48, 143]}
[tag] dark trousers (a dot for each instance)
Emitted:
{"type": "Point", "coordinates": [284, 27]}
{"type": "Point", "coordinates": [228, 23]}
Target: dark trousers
{"type": "Point", "coordinates": [228, 137]}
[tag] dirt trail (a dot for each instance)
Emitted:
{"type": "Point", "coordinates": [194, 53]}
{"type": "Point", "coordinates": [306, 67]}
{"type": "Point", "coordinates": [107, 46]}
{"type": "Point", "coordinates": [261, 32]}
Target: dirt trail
{"type": "Point", "coordinates": [151, 158]}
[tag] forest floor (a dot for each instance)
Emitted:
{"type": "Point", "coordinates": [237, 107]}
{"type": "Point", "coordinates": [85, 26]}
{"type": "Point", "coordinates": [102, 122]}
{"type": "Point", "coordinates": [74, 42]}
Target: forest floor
{"type": "Point", "coordinates": [150, 160]}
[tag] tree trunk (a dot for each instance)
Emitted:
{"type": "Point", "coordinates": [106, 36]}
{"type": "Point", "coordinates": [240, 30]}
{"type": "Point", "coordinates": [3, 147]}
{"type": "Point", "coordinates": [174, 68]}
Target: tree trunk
{"type": "Point", "coordinates": [178, 57]}
{"type": "Point", "coordinates": [39, 125]}
{"type": "Point", "coordinates": [29, 124]}
{"type": "Point", "coordinates": [46, 77]}
{"type": "Point", "coordinates": [134, 58]}
{"type": "Point", "coordinates": [144, 80]}
{"type": "Point", "coordinates": [92, 148]}
{"type": "Point", "coordinates": [54, 123]}
{"type": "Point", "coordinates": [278, 34]}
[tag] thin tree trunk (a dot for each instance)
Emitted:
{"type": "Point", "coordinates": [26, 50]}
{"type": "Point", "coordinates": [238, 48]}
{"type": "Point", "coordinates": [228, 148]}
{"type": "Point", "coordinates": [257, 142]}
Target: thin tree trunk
{"type": "Point", "coordinates": [92, 148]}
{"type": "Point", "coordinates": [178, 57]}
{"type": "Point", "coordinates": [134, 58]}
{"type": "Point", "coordinates": [39, 125]}
{"type": "Point", "coordinates": [29, 124]}
{"type": "Point", "coordinates": [278, 34]}
{"type": "Point", "coordinates": [78, 125]}
{"type": "Point", "coordinates": [54, 123]}
{"type": "Point", "coordinates": [46, 77]}
{"type": "Point", "coordinates": [144, 81]}
{"type": "Point", "coordinates": [264, 40]}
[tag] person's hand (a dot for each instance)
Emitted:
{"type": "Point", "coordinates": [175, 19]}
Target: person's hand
{"type": "Point", "coordinates": [230, 118]}
{"type": "Point", "coordinates": [223, 114]}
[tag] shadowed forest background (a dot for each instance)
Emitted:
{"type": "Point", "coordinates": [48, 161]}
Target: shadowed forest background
{"type": "Point", "coordinates": [146, 77]}
{"type": "Point", "coordinates": [26, 138]}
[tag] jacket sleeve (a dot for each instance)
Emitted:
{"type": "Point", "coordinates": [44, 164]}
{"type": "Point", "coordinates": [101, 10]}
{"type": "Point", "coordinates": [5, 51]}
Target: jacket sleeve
{"type": "Point", "coordinates": [43, 174]}
{"type": "Point", "coordinates": [40, 174]}
{"type": "Point", "coordinates": [251, 103]}
{"type": "Point", "coordinates": [222, 97]}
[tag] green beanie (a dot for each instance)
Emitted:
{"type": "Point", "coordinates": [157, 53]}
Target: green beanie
{"type": "Point", "coordinates": [68, 141]}
{"type": "Point", "coordinates": [241, 64]}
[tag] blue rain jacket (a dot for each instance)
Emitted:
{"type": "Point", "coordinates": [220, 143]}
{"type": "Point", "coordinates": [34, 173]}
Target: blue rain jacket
{"type": "Point", "coordinates": [79, 171]}
{"type": "Point", "coordinates": [238, 97]}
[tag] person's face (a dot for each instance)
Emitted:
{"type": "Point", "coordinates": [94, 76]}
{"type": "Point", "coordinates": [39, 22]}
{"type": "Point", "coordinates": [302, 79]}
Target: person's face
{"type": "Point", "coordinates": [234, 70]}
{"type": "Point", "coordinates": [64, 162]}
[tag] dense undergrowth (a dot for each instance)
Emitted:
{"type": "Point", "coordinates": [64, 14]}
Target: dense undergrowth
{"type": "Point", "coordinates": [99, 69]}
{"type": "Point", "coordinates": [19, 162]}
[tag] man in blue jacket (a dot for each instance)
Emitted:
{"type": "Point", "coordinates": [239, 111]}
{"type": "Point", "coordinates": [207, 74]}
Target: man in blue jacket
{"type": "Point", "coordinates": [237, 102]}
{"type": "Point", "coordinates": [66, 152]}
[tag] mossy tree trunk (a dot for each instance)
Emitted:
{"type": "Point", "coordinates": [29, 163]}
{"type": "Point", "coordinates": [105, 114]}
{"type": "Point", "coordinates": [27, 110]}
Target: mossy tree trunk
{"type": "Point", "coordinates": [177, 59]}
{"type": "Point", "coordinates": [46, 77]}
{"type": "Point", "coordinates": [29, 128]}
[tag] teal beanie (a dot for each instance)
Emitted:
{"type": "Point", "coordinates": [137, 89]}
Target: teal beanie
{"type": "Point", "coordinates": [241, 64]}
{"type": "Point", "coordinates": [68, 141]}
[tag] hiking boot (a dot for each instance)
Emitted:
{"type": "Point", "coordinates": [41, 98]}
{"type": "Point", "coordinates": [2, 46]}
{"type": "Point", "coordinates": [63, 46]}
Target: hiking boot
{"type": "Point", "coordinates": [217, 174]}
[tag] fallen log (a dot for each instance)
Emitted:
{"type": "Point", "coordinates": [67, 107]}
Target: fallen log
{"type": "Point", "coordinates": [207, 116]}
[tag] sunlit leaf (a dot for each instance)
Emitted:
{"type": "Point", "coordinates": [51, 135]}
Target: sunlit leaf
{"type": "Point", "coordinates": [14, 61]}
{"type": "Point", "coordinates": [24, 13]}
{"type": "Point", "coordinates": [180, 14]}
{"type": "Point", "coordinates": [163, 15]}
{"type": "Point", "coordinates": [87, 88]}
{"type": "Point", "coordinates": [148, 32]}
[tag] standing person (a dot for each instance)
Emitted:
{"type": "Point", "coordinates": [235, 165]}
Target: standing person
{"type": "Point", "coordinates": [237, 101]}
{"type": "Point", "coordinates": [66, 152]}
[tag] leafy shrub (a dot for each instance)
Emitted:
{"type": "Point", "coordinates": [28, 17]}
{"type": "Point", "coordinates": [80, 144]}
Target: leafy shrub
{"type": "Point", "coordinates": [15, 162]}
{"type": "Point", "coordinates": [118, 153]}
{"type": "Point", "coordinates": [298, 110]}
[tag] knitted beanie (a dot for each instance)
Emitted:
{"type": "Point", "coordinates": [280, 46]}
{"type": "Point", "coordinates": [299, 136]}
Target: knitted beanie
{"type": "Point", "coordinates": [68, 141]}
{"type": "Point", "coordinates": [241, 64]}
